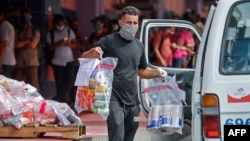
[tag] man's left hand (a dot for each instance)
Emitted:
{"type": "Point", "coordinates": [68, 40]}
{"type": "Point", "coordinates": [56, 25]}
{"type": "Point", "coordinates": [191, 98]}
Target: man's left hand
{"type": "Point", "coordinates": [162, 73]}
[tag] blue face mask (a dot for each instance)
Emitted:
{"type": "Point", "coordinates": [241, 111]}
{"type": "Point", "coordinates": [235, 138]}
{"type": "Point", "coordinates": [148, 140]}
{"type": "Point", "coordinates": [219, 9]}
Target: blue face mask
{"type": "Point", "coordinates": [26, 19]}
{"type": "Point", "coordinates": [96, 26]}
{"type": "Point", "coordinates": [128, 32]}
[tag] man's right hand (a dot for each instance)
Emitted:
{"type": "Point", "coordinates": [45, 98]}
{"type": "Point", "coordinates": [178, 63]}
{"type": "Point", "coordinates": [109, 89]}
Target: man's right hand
{"type": "Point", "coordinates": [93, 53]}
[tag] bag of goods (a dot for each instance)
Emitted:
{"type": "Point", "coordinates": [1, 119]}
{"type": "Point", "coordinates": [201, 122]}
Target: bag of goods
{"type": "Point", "coordinates": [20, 91]}
{"type": "Point", "coordinates": [21, 104]}
{"type": "Point", "coordinates": [96, 94]}
{"type": "Point", "coordinates": [64, 113]}
{"type": "Point", "coordinates": [43, 113]}
{"type": "Point", "coordinates": [14, 112]}
{"type": "Point", "coordinates": [165, 100]}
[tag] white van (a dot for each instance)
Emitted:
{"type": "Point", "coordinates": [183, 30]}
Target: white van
{"type": "Point", "coordinates": [218, 86]}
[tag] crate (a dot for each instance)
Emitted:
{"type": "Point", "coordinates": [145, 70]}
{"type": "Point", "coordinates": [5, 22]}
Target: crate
{"type": "Point", "coordinates": [73, 131]}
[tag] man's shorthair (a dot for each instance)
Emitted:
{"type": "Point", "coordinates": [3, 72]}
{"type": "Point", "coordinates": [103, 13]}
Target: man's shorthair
{"type": "Point", "coordinates": [130, 10]}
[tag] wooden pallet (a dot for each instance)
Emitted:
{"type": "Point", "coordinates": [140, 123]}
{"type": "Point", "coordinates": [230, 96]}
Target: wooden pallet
{"type": "Point", "coordinates": [73, 131]}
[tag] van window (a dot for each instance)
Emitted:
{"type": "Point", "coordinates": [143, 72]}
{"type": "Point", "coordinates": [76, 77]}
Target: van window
{"type": "Point", "coordinates": [236, 42]}
{"type": "Point", "coordinates": [173, 47]}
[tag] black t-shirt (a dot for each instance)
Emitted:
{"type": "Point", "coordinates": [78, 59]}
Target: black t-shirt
{"type": "Point", "coordinates": [131, 57]}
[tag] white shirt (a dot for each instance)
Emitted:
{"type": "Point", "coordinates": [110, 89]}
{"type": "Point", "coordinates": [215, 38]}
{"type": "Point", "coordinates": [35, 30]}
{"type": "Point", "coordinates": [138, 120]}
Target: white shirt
{"type": "Point", "coordinates": [63, 54]}
{"type": "Point", "coordinates": [7, 32]}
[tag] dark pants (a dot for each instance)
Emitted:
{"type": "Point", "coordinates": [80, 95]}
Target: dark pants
{"type": "Point", "coordinates": [74, 88]}
{"type": "Point", "coordinates": [123, 121]}
{"type": "Point", "coordinates": [64, 78]}
{"type": "Point", "coordinates": [177, 62]}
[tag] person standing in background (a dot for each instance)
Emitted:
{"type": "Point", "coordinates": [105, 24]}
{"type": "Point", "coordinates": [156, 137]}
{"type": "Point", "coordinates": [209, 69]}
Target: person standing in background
{"type": "Point", "coordinates": [60, 42]}
{"type": "Point", "coordinates": [162, 47]}
{"type": "Point", "coordinates": [180, 52]}
{"type": "Point", "coordinates": [7, 41]}
{"type": "Point", "coordinates": [28, 38]}
{"type": "Point", "coordinates": [102, 26]}
{"type": "Point", "coordinates": [189, 42]}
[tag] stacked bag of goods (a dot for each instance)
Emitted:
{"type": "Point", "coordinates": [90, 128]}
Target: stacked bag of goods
{"type": "Point", "coordinates": [21, 104]}
{"type": "Point", "coordinates": [94, 81]}
{"type": "Point", "coordinates": [165, 105]}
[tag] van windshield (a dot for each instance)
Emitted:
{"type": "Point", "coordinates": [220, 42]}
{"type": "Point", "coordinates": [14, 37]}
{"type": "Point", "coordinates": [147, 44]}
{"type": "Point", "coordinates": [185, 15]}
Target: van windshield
{"type": "Point", "coordinates": [236, 42]}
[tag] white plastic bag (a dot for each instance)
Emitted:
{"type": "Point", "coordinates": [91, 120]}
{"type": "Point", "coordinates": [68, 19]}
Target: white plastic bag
{"type": "Point", "coordinates": [165, 101]}
{"type": "Point", "coordinates": [96, 95]}
{"type": "Point", "coordinates": [64, 113]}
{"type": "Point", "coordinates": [13, 112]}
{"type": "Point", "coordinates": [87, 65]}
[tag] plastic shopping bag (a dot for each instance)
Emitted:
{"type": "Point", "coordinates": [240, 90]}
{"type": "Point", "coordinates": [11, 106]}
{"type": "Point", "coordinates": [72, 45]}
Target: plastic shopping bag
{"type": "Point", "coordinates": [165, 100]}
{"type": "Point", "coordinates": [21, 104]}
{"type": "Point", "coordinates": [13, 112]}
{"type": "Point", "coordinates": [96, 95]}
